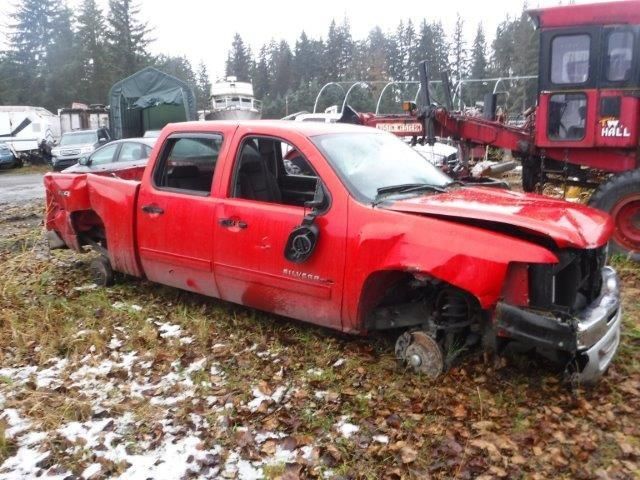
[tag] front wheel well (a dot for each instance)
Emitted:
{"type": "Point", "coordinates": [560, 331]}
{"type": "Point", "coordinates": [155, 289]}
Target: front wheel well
{"type": "Point", "coordinates": [400, 299]}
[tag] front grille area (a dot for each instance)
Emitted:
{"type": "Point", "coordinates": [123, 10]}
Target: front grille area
{"type": "Point", "coordinates": [70, 152]}
{"type": "Point", "coordinates": [571, 284]}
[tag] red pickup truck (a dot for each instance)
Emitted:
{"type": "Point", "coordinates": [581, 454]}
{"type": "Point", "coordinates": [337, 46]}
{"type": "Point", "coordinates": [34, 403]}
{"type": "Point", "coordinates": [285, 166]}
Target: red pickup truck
{"type": "Point", "coordinates": [366, 236]}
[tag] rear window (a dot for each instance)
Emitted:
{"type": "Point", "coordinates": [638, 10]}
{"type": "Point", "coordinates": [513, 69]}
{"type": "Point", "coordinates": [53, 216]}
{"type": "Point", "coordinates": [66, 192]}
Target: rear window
{"type": "Point", "coordinates": [188, 163]}
{"type": "Point", "coordinates": [570, 59]}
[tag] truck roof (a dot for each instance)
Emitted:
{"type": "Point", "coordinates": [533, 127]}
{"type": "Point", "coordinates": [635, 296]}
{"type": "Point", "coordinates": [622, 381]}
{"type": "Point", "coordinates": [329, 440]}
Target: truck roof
{"type": "Point", "coordinates": [308, 129]}
{"type": "Point", "coordinates": [604, 13]}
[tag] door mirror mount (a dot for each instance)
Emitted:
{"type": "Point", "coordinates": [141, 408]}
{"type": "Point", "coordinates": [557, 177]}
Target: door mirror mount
{"type": "Point", "coordinates": [86, 161]}
{"type": "Point", "coordinates": [319, 198]}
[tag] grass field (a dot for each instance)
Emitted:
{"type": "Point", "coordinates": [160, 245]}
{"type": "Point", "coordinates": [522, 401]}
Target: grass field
{"type": "Point", "coordinates": [144, 381]}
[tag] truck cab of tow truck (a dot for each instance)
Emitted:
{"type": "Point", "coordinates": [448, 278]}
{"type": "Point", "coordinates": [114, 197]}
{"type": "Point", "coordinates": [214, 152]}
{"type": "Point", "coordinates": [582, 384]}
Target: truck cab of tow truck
{"type": "Point", "coordinates": [589, 84]}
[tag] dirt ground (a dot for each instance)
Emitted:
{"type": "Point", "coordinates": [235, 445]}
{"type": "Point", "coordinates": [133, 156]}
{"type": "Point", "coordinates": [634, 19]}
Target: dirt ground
{"type": "Point", "coordinates": [143, 381]}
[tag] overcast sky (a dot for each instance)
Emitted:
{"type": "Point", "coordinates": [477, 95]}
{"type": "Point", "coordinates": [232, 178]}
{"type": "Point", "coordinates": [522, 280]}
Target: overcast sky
{"type": "Point", "coordinates": [203, 29]}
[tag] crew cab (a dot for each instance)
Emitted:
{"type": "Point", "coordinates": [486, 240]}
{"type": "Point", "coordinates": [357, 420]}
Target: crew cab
{"type": "Point", "coordinates": [370, 237]}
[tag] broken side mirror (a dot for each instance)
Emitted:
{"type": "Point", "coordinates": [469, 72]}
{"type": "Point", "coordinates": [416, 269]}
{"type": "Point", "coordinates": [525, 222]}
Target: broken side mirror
{"type": "Point", "coordinates": [303, 239]}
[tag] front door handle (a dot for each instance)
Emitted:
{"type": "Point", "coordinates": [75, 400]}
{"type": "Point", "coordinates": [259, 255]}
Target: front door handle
{"type": "Point", "coordinates": [230, 222]}
{"type": "Point", "coordinates": [152, 209]}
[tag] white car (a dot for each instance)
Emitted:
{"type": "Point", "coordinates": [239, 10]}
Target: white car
{"type": "Point", "coordinates": [439, 154]}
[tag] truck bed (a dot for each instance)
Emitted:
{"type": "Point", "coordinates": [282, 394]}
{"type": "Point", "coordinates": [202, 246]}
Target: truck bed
{"type": "Point", "coordinates": [85, 208]}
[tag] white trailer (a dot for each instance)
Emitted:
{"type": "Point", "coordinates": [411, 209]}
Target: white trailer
{"type": "Point", "coordinates": [25, 128]}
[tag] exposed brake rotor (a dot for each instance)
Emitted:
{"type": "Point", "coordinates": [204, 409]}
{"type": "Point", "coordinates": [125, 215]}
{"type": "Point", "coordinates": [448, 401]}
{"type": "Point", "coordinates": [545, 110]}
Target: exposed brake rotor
{"type": "Point", "coordinates": [421, 353]}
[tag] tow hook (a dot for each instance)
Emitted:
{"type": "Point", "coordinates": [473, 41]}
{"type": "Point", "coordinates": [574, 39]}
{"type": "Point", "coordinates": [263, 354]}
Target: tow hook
{"type": "Point", "coordinates": [421, 353]}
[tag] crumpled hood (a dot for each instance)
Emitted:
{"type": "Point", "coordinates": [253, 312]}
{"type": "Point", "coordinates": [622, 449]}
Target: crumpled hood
{"type": "Point", "coordinates": [567, 224]}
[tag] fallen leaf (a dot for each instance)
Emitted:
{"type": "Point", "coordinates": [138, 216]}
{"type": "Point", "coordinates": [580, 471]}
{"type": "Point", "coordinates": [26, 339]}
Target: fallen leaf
{"type": "Point", "coordinates": [408, 455]}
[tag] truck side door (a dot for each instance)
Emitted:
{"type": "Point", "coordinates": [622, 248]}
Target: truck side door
{"type": "Point", "coordinates": [176, 225]}
{"type": "Point", "coordinates": [261, 204]}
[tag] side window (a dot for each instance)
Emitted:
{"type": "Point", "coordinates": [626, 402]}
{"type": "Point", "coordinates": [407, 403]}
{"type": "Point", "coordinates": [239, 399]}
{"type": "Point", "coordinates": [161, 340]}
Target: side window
{"type": "Point", "coordinates": [619, 56]}
{"type": "Point", "coordinates": [272, 170]}
{"type": "Point", "coordinates": [188, 163]}
{"type": "Point", "coordinates": [570, 59]}
{"type": "Point", "coordinates": [131, 152]}
{"type": "Point", "coordinates": [567, 114]}
{"type": "Point", "coordinates": [104, 155]}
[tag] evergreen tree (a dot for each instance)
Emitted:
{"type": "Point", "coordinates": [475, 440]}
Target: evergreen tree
{"type": "Point", "coordinates": [261, 75]}
{"type": "Point", "coordinates": [62, 65]}
{"type": "Point", "coordinates": [459, 51]}
{"type": "Point", "coordinates": [203, 89]}
{"type": "Point", "coordinates": [307, 60]}
{"type": "Point", "coordinates": [30, 38]}
{"type": "Point", "coordinates": [94, 80]}
{"type": "Point", "coordinates": [282, 67]}
{"type": "Point", "coordinates": [338, 51]}
{"type": "Point", "coordinates": [239, 60]}
{"type": "Point", "coordinates": [378, 69]}
{"type": "Point", "coordinates": [479, 54]}
{"type": "Point", "coordinates": [475, 91]}
{"type": "Point", "coordinates": [128, 38]}
{"type": "Point", "coordinates": [407, 51]}
{"type": "Point", "coordinates": [515, 53]}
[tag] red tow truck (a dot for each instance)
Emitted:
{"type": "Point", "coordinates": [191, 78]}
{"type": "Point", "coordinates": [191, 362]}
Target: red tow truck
{"type": "Point", "coordinates": [371, 237]}
{"type": "Point", "coordinates": [585, 129]}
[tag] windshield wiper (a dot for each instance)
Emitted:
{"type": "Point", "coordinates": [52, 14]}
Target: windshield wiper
{"type": "Point", "coordinates": [455, 182]}
{"type": "Point", "coordinates": [406, 188]}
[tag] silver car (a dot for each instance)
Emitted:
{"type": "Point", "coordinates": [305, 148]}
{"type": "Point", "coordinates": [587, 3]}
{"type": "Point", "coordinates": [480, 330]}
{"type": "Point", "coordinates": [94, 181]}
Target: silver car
{"type": "Point", "coordinates": [77, 144]}
{"type": "Point", "coordinates": [117, 155]}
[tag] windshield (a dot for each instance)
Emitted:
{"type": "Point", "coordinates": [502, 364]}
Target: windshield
{"type": "Point", "coordinates": [368, 162]}
{"type": "Point", "coordinates": [79, 138]}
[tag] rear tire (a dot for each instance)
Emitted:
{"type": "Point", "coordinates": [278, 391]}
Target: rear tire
{"type": "Point", "coordinates": [531, 173]}
{"type": "Point", "coordinates": [102, 273]}
{"type": "Point", "coordinates": [620, 197]}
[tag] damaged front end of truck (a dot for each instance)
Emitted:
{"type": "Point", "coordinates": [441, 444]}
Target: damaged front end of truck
{"type": "Point", "coordinates": [533, 278]}
{"type": "Point", "coordinates": [572, 314]}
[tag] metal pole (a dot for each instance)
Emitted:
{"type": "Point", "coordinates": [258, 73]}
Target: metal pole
{"type": "Point", "coordinates": [326, 85]}
{"type": "Point", "coordinates": [357, 84]}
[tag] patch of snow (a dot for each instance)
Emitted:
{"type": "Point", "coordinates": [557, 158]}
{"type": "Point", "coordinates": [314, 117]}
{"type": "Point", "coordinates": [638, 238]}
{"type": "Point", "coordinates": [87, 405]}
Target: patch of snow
{"type": "Point", "coordinates": [16, 423]}
{"type": "Point", "coordinates": [316, 372]}
{"type": "Point", "coordinates": [114, 343]}
{"type": "Point", "coordinates": [260, 397]}
{"type": "Point", "coordinates": [23, 464]}
{"type": "Point", "coordinates": [339, 363]}
{"type": "Point", "coordinates": [345, 428]}
{"type": "Point", "coordinates": [50, 377]}
{"type": "Point", "coordinates": [125, 306]}
{"type": "Point", "coordinates": [381, 439]}
{"type": "Point", "coordinates": [196, 366]}
{"type": "Point", "coordinates": [84, 288]}
{"type": "Point", "coordinates": [91, 470]}
{"type": "Point", "coordinates": [167, 330]}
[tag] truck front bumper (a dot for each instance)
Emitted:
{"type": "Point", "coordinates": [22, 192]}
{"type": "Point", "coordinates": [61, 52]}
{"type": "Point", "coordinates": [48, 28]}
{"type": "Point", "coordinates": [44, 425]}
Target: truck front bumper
{"type": "Point", "coordinates": [591, 336]}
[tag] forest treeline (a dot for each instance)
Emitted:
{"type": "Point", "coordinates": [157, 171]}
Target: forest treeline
{"type": "Point", "coordinates": [55, 57]}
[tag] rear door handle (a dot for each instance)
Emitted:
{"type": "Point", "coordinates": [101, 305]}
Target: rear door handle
{"type": "Point", "coordinates": [152, 209]}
